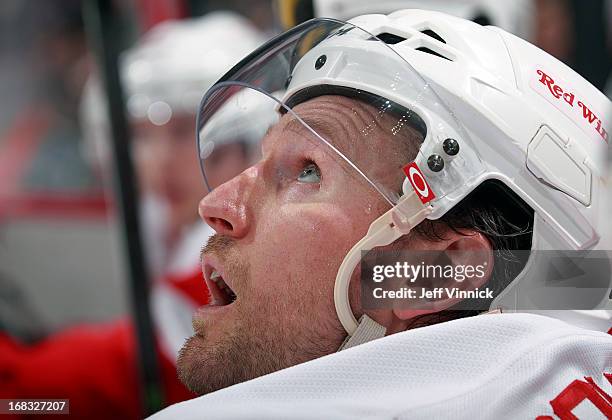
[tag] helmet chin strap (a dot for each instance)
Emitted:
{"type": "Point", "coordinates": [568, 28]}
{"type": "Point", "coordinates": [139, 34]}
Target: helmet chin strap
{"type": "Point", "coordinates": [395, 223]}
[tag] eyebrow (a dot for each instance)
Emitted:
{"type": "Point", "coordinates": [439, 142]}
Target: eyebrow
{"type": "Point", "coordinates": [324, 128]}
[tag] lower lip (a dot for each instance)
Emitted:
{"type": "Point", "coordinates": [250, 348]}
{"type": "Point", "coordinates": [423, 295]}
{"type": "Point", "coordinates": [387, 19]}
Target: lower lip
{"type": "Point", "coordinates": [208, 310]}
{"type": "Point", "coordinates": [206, 315]}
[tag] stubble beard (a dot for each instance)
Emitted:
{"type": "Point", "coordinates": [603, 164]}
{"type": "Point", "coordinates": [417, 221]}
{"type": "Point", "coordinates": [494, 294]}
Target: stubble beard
{"type": "Point", "coordinates": [261, 339]}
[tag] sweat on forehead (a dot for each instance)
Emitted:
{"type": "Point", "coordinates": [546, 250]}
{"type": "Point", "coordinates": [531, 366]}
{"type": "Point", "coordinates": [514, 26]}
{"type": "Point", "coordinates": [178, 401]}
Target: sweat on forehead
{"type": "Point", "coordinates": [376, 140]}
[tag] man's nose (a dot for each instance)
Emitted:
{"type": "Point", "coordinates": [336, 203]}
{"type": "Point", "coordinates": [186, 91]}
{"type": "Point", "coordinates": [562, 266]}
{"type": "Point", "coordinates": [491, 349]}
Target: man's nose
{"type": "Point", "coordinates": [225, 208]}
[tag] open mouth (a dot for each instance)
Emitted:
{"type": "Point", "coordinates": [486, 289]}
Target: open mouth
{"type": "Point", "coordinates": [221, 293]}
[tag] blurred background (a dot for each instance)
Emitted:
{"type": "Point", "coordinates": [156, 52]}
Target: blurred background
{"type": "Point", "coordinates": [63, 276]}
{"type": "Point", "coordinates": [57, 221]}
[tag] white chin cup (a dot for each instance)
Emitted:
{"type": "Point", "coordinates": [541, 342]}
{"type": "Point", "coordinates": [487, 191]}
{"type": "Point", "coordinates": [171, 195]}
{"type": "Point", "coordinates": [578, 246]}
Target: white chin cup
{"type": "Point", "coordinates": [395, 223]}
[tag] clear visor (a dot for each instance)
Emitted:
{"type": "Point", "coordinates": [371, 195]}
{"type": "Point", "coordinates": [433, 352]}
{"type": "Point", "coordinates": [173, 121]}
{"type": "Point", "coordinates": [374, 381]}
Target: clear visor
{"type": "Point", "coordinates": [328, 87]}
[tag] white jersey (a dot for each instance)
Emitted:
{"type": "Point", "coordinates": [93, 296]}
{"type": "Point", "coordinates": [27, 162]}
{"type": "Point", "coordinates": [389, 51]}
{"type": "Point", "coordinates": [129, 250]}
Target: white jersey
{"type": "Point", "coordinates": [490, 366]}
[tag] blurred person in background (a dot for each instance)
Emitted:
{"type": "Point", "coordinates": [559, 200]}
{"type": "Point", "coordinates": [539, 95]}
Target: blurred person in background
{"type": "Point", "coordinates": [164, 75]}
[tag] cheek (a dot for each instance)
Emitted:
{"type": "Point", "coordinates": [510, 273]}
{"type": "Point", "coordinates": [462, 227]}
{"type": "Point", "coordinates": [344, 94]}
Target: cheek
{"type": "Point", "coordinates": [298, 249]}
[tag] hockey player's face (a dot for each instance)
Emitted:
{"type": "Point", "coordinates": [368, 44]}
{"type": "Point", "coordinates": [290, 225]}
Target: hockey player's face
{"type": "Point", "coordinates": [165, 165]}
{"type": "Point", "coordinates": [283, 228]}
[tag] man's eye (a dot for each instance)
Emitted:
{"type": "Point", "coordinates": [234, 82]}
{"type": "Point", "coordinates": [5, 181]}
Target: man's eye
{"type": "Point", "coordinates": [310, 173]}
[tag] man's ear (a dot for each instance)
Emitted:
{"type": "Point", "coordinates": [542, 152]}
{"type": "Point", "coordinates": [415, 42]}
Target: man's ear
{"type": "Point", "coordinates": [464, 248]}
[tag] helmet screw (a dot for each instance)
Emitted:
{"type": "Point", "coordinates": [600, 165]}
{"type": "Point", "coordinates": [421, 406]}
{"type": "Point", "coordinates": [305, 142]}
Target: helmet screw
{"type": "Point", "coordinates": [451, 147]}
{"type": "Point", "coordinates": [435, 163]}
{"type": "Point", "coordinates": [320, 61]}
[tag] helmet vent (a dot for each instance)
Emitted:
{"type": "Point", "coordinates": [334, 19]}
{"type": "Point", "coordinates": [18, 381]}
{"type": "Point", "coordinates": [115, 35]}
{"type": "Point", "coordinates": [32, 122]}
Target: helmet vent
{"type": "Point", "coordinates": [434, 35]}
{"type": "Point", "coordinates": [482, 19]}
{"type": "Point", "coordinates": [388, 38]}
{"type": "Point", "coordinates": [432, 52]}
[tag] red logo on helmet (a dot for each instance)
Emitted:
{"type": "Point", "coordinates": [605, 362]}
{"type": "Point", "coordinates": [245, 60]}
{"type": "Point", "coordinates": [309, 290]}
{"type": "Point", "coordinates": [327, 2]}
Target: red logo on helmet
{"type": "Point", "coordinates": [563, 98]}
{"type": "Point", "coordinates": [418, 182]}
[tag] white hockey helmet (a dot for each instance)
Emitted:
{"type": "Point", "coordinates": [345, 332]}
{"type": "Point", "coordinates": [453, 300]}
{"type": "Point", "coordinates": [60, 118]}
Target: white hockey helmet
{"type": "Point", "coordinates": [165, 73]}
{"type": "Point", "coordinates": [515, 17]}
{"type": "Point", "coordinates": [488, 105]}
